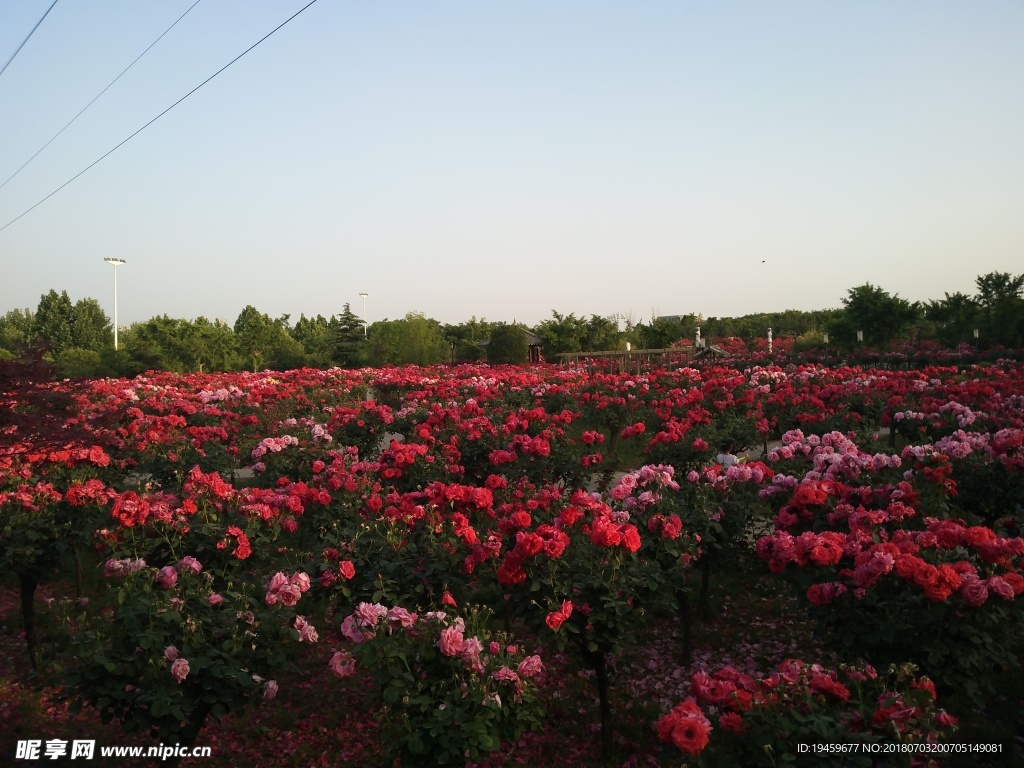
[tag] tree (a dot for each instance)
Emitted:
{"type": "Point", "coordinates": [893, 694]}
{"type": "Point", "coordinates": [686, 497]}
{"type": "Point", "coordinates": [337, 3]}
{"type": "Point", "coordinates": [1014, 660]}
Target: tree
{"type": "Point", "coordinates": [467, 336]}
{"type": "Point", "coordinates": [1002, 308]}
{"type": "Point", "coordinates": [257, 335]}
{"type": "Point", "coordinates": [156, 344]}
{"type": "Point", "coordinates": [663, 332]}
{"type": "Point", "coordinates": [16, 329]}
{"type": "Point", "coordinates": [508, 344]}
{"type": "Point", "coordinates": [79, 363]}
{"type": "Point", "coordinates": [561, 333]}
{"type": "Point", "coordinates": [91, 328]}
{"type": "Point", "coordinates": [349, 338]}
{"type": "Point", "coordinates": [55, 321]}
{"type": "Point", "coordinates": [872, 310]}
{"type": "Point", "coordinates": [600, 334]}
{"type": "Point", "coordinates": [209, 345]}
{"type": "Point", "coordinates": [415, 340]}
{"type": "Point", "coordinates": [955, 316]}
{"type": "Point", "coordinates": [314, 334]}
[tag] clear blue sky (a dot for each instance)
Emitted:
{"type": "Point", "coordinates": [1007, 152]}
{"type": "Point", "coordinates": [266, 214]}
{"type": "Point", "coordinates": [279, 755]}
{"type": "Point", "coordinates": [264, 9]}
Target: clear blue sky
{"type": "Point", "coordinates": [506, 159]}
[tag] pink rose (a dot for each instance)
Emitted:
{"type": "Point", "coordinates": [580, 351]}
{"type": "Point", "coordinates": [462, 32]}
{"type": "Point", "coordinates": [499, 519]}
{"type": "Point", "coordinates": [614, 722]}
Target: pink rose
{"type": "Point", "coordinates": [505, 675]}
{"type": "Point", "coordinates": [470, 654]}
{"type": "Point", "coordinates": [167, 577]}
{"type": "Point", "coordinates": [1000, 586]}
{"type": "Point", "coordinates": [973, 591]}
{"type": "Point", "coordinates": [494, 648]}
{"type": "Point", "coordinates": [289, 595]}
{"type": "Point", "coordinates": [306, 630]}
{"type": "Point", "coordinates": [342, 664]}
{"type": "Point", "coordinates": [401, 617]}
{"type": "Point", "coordinates": [530, 667]}
{"type": "Point", "coordinates": [270, 691]}
{"type": "Point", "coordinates": [179, 669]}
{"type": "Point", "coordinates": [214, 600]}
{"type": "Point", "coordinates": [350, 630]}
{"type": "Point", "coordinates": [369, 614]}
{"type": "Point", "coordinates": [278, 581]}
{"type": "Point", "coordinates": [191, 564]}
{"type": "Point", "coordinates": [301, 580]}
{"type": "Point", "coordinates": [451, 641]}
{"type": "Point", "coordinates": [170, 653]}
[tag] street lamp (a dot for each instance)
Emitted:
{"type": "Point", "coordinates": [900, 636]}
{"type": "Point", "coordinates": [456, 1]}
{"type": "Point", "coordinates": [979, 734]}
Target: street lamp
{"type": "Point", "coordinates": [115, 263]}
{"type": "Point", "coordinates": [364, 295]}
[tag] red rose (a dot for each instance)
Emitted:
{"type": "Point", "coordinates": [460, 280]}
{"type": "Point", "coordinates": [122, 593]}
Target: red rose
{"type": "Point", "coordinates": [686, 727]}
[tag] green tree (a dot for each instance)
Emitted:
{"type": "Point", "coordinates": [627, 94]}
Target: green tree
{"type": "Point", "coordinates": [287, 354]}
{"type": "Point", "coordinates": [601, 334]}
{"type": "Point", "coordinates": [78, 363]}
{"type": "Point", "coordinates": [156, 344]}
{"type": "Point", "coordinates": [561, 333]}
{"type": "Point", "coordinates": [880, 316]}
{"type": "Point", "coordinates": [1001, 308]}
{"type": "Point", "coordinates": [955, 316]}
{"type": "Point", "coordinates": [209, 346]}
{"type": "Point", "coordinates": [91, 328]}
{"type": "Point", "coordinates": [508, 344]}
{"type": "Point", "coordinates": [17, 328]}
{"type": "Point", "coordinates": [467, 338]}
{"type": "Point", "coordinates": [55, 321]}
{"type": "Point", "coordinates": [415, 340]}
{"type": "Point", "coordinates": [349, 338]}
{"type": "Point", "coordinates": [314, 334]}
{"type": "Point", "coordinates": [663, 332]}
{"type": "Point", "coordinates": [257, 335]}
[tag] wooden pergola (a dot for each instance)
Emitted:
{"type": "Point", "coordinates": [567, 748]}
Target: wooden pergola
{"type": "Point", "coordinates": [622, 361]}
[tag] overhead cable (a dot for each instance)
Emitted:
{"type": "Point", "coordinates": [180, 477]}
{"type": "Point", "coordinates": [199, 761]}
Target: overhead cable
{"type": "Point", "coordinates": [144, 127]}
{"type": "Point", "coordinates": [29, 35]}
{"type": "Point", "coordinates": [58, 133]}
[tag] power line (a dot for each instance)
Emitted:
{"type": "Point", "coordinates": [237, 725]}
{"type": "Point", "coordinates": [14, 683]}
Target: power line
{"type": "Point", "coordinates": [144, 127]}
{"type": "Point", "coordinates": [58, 133]}
{"type": "Point", "coordinates": [26, 39]}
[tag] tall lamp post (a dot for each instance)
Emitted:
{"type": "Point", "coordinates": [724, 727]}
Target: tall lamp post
{"type": "Point", "coordinates": [364, 295]}
{"type": "Point", "coordinates": [115, 263]}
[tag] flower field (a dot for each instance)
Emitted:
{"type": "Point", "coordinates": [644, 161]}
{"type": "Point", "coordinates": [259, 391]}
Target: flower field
{"type": "Point", "coordinates": [518, 565]}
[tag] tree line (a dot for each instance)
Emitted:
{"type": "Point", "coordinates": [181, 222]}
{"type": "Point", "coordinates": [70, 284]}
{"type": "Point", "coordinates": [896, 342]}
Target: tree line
{"type": "Point", "coordinates": [79, 337]}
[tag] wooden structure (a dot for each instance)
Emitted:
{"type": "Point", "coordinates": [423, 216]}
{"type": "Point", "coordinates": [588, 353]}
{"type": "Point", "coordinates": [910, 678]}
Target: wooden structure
{"type": "Point", "coordinates": [533, 341]}
{"type": "Point", "coordinates": [622, 361]}
{"type": "Point", "coordinates": [712, 352]}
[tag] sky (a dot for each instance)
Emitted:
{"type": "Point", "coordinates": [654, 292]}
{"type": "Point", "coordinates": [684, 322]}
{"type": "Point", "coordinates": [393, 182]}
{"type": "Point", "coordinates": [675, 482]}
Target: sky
{"type": "Point", "coordinates": [503, 160]}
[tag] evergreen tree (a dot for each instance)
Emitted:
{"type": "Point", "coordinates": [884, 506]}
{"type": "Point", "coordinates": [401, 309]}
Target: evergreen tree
{"type": "Point", "coordinates": [349, 339]}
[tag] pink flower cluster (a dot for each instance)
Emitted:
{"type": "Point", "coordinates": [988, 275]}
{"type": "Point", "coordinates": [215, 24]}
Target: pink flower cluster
{"type": "Point", "coordinates": [179, 666]}
{"type": "Point", "coordinates": [123, 567]}
{"type": "Point", "coordinates": [287, 590]}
